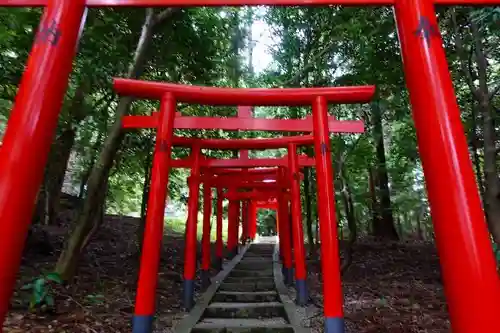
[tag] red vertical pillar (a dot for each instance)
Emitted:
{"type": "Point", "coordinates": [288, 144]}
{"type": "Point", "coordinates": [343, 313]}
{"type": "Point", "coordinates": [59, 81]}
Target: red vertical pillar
{"type": "Point", "coordinates": [191, 242]}
{"type": "Point", "coordinates": [284, 231]}
{"type": "Point", "coordinates": [330, 262]}
{"type": "Point", "coordinates": [232, 231]}
{"type": "Point", "coordinates": [252, 220]}
{"type": "Point", "coordinates": [207, 213]}
{"type": "Point", "coordinates": [461, 235]}
{"type": "Point", "coordinates": [153, 232]}
{"type": "Point", "coordinates": [219, 245]}
{"type": "Point", "coordinates": [297, 228]}
{"type": "Point", "coordinates": [30, 130]}
{"type": "Point", "coordinates": [237, 205]}
{"type": "Point", "coordinates": [244, 221]}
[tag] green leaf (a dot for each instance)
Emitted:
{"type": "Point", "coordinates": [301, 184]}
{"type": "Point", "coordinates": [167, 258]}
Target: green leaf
{"type": "Point", "coordinates": [49, 300]}
{"type": "Point", "coordinates": [27, 286]}
{"type": "Point", "coordinates": [55, 277]}
{"type": "Point", "coordinates": [39, 291]}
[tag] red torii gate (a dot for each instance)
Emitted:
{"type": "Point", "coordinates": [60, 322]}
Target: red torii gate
{"type": "Point", "coordinates": [317, 97]}
{"type": "Point", "coordinates": [190, 259]}
{"type": "Point", "coordinates": [461, 234]}
{"type": "Point", "coordinates": [224, 175]}
{"type": "Point", "coordinates": [243, 121]}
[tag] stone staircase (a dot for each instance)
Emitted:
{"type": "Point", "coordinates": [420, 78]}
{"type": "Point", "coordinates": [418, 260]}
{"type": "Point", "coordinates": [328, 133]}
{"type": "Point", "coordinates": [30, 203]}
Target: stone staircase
{"type": "Point", "coordinates": [247, 300]}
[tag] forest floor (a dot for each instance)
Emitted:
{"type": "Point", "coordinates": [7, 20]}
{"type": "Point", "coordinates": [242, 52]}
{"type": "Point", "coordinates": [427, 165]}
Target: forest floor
{"type": "Point", "coordinates": [389, 288]}
{"type": "Point", "coordinates": [392, 288]}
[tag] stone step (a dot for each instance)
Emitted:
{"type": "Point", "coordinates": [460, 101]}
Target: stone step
{"type": "Point", "coordinates": [255, 287]}
{"type": "Point", "coordinates": [270, 325]}
{"type": "Point", "coordinates": [245, 310]}
{"type": "Point", "coordinates": [256, 260]}
{"type": "Point", "coordinates": [246, 296]}
{"type": "Point", "coordinates": [254, 264]}
{"type": "Point", "coordinates": [251, 273]}
{"type": "Point", "coordinates": [260, 252]}
{"type": "Point", "coordinates": [248, 279]}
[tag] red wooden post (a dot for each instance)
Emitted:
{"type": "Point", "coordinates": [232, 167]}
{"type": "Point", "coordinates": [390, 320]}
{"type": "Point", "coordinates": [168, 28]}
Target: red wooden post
{"type": "Point", "coordinates": [153, 232]}
{"type": "Point", "coordinates": [191, 242]}
{"type": "Point", "coordinates": [252, 220]}
{"type": "Point", "coordinates": [232, 229]}
{"type": "Point", "coordinates": [244, 221]}
{"type": "Point", "coordinates": [330, 263]}
{"type": "Point", "coordinates": [30, 130]}
{"type": "Point", "coordinates": [461, 235]}
{"type": "Point", "coordinates": [237, 209]}
{"type": "Point", "coordinates": [206, 253]}
{"type": "Point", "coordinates": [219, 246]}
{"type": "Point", "coordinates": [297, 228]}
{"type": "Point", "coordinates": [284, 232]}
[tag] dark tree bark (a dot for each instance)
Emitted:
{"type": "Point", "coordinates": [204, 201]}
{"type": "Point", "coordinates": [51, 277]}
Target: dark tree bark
{"type": "Point", "coordinates": [420, 233]}
{"type": "Point", "coordinates": [483, 94]}
{"type": "Point", "coordinates": [89, 219]}
{"type": "Point", "coordinates": [400, 226]}
{"type": "Point", "coordinates": [383, 226]}
{"type": "Point", "coordinates": [351, 220]}
{"type": "Point", "coordinates": [144, 202]}
{"type": "Point", "coordinates": [47, 205]}
{"type": "Point", "coordinates": [309, 218]}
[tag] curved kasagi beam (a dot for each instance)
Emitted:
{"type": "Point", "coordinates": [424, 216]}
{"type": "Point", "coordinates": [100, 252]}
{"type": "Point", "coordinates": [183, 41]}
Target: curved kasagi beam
{"type": "Point", "coordinates": [247, 185]}
{"type": "Point", "coordinates": [219, 3]}
{"type": "Point", "coordinates": [251, 163]}
{"type": "Point", "coordinates": [243, 176]}
{"type": "Point", "coordinates": [204, 3]}
{"type": "Point", "coordinates": [250, 144]}
{"type": "Point", "coordinates": [242, 96]}
{"type": "Point", "coordinates": [222, 171]}
{"type": "Point", "coordinates": [250, 195]}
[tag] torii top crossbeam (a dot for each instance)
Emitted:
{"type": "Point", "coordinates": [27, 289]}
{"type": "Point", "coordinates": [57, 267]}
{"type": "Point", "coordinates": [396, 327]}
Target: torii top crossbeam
{"type": "Point", "coordinates": [251, 144]}
{"type": "Point", "coordinates": [235, 3]}
{"type": "Point", "coordinates": [242, 96]}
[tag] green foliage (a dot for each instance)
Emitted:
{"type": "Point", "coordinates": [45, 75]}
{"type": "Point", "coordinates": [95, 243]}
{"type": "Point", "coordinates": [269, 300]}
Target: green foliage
{"type": "Point", "coordinates": [42, 291]}
{"type": "Point", "coordinates": [95, 299]}
{"type": "Point", "coordinates": [496, 251]}
{"type": "Point", "coordinates": [311, 46]}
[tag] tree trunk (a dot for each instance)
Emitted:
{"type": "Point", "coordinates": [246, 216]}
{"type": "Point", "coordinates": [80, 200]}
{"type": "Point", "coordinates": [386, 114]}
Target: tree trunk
{"type": "Point", "coordinates": [373, 201]}
{"type": "Point", "coordinates": [144, 203]}
{"type": "Point", "coordinates": [475, 145]}
{"type": "Point", "coordinates": [384, 227]}
{"type": "Point", "coordinates": [309, 218]}
{"type": "Point", "coordinates": [351, 220]}
{"type": "Point", "coordinates": [400, 226]}
{"type": "Point", "coordinates": [47, 205]}
{"type": "Point", "coordinates": [89, 219]}
{"type": "Point", "coordinates": [492, 188]}
{"type": "Point", "coordinates": [483, 94]}
{"type": "Point", "coordinates": [420, 234]}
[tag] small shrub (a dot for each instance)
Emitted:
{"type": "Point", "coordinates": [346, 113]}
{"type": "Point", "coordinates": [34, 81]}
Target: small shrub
{"type": "Point", "coordinates": [42, 291]}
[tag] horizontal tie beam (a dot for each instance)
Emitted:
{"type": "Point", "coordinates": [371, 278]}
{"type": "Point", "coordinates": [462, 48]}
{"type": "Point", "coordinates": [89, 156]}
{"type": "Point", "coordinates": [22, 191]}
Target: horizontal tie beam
{"type": "Point", "coordinates": [245, 124]}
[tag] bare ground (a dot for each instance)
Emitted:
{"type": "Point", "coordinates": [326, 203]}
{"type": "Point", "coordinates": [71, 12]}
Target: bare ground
{"type": "Point", "coordinates": [101, 298]}
{"type": "Point", "coordinates": [389, 288]}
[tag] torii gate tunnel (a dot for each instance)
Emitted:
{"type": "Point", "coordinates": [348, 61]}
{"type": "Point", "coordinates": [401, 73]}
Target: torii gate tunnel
{"type": "Point", "coordinates": [468, 266]}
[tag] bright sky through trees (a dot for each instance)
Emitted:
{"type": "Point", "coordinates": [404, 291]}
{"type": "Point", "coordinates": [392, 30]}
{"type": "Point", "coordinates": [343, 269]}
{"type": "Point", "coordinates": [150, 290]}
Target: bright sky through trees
{"type": "Point", "coordinates": [261, 35]}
